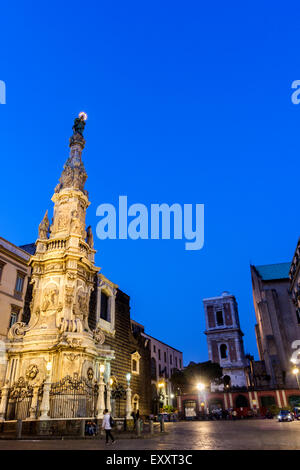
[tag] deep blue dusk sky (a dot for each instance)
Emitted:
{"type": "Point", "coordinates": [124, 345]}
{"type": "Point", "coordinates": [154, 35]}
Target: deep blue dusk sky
{"type": "Point", "coordinates": [188, 102]}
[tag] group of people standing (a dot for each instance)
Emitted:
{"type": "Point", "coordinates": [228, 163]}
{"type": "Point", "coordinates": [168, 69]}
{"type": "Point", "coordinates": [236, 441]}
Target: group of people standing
{"type": "Point", "coordinates": [91, 428]}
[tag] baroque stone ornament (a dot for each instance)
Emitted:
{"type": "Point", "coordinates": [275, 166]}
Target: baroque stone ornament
{"type": "Point", "coordinates": [44, 227]}
{"type": "Point", "coordinates": [98, 335]}
{"type": "Point", "coordinates": [72, 357]}
{"type": "Point", "coordinates": [31, 372]}
{"type": "Point", "coordinates": [17, 330]}
{"type": "Point", "coordinates": [73, 342]}
{"type": "Point", "coordinates": [90, 374]}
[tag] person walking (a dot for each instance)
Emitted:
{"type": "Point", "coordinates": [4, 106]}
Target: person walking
{"type": "Point", "coordinates": [107, 426]}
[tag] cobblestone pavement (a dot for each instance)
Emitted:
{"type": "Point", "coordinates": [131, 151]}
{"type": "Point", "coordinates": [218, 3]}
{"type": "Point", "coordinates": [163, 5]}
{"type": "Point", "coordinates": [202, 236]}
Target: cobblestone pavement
{"type": "Point", "coordinates": [207, 435]}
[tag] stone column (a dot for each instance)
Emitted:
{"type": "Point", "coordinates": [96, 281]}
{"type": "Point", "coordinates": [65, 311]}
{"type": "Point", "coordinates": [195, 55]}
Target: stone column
{"type": "Point", "coordinates": [128, 403]}
{"type": "Point", "coordinates": [45, 405]}
{"type": "Point", "coordinates": [100, 401]}
{"type": "Point", "coordinates": [3, 404]}
{"type": "Point", "coordinates": [108, 398]}
{"type": "Point", "coordinates": [34, 403]}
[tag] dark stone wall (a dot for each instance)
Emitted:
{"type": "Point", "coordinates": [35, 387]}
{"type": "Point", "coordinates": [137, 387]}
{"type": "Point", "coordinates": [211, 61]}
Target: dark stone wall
{"type": "Point", "coordinates": [124, 343]}
{"type": "Point", "coordinates": [92, 319]}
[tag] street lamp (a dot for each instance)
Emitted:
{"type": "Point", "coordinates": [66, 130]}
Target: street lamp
{"type": "Point", "coordinates": [200, 386]}
{"type": "Point", "coordinates": [102, 368]}
{"type": "Point", "coordinates": [201, 396]}
{"type": "Point", "coordinates": [296, 372]}
{"type": "Point", "coordinates": [128, 397]}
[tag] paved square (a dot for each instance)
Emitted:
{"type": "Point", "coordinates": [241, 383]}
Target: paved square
{"type": "Point", "coordinates": [207, 435]}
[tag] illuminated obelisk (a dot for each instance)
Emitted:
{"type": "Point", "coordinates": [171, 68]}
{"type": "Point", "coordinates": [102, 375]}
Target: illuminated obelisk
{"type": "Point", "coordinates": [58, 342]}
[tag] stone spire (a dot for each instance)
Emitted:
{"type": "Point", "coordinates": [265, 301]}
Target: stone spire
{"type": "Point", "coordinates": [70, 197]}
{"type": "Point", "coordinates": [74, 175]}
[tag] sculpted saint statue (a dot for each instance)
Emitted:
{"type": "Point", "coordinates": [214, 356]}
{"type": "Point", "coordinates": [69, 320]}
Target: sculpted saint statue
{"type": "Point", "coordinates": [90, 238]}
{"type": "Point", "coordinates": [44, 227]}
{"type": "Point", "coordinates": [79, 124]}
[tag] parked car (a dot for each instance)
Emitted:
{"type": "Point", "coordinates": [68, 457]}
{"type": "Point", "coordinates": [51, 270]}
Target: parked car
{"type": "Point", "coordinates": [297, 412]}
{"type": "Point", "coordinates": [285, 415]}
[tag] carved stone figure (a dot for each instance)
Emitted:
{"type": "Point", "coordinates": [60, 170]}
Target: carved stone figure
{"type": "Point", "coordinates": [79, 124]}
{"type": "Point", "coordinates": [69, 293]}
{"type": "Point", "coordinates": [90, 238]}
{"type": "Point", "coordinates": [44, 227]}
{"type": "Point", "coordinates": [62, 222]}
{"type": "Point", "coordinates": [31, 372]}
{"type": "Point", "coordinates": [82, 302]}
{"type": "Point", "coordinates": [90, 374]}
{"type": "Point", "coordinates": [50, 298]}
{"type": "Point", "coordinates": [75, 223]}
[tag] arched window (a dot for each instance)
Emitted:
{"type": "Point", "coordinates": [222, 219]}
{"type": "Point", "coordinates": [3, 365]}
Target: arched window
{"type": "Point", "coordinates": [223, 351]}
{"type": "Point", "coordinates": [219, 315]}
{"type": "Point", "coordinates": [135, 403]}
{"type": "Point", "coordinates": [135, 363]}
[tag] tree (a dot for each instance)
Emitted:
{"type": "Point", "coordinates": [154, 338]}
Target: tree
{"type": "Point", "coordinates": [204, 372]}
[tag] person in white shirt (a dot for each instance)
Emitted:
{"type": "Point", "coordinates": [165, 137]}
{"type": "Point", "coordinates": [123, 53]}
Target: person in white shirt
{"type": "Point", "coordinates": [106, 425]}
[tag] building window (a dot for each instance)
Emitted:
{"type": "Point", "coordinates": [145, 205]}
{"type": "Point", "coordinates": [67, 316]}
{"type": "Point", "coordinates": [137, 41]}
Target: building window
{"type": "Point", "coordinates": [14, 315]}
{"type": "Point", "coordinates": [159, 354]}
{"type": "Point", "coordinates": [153, 369]}
{"type": "Point", "coordinates": [176, 363]}
{"type": "Point", "coordinates": [154, 348]}
{"type": "Point", "coordinates": [19, 282]}
{"type": "Point", "coordinates": [171, 359]}
{"type": "Point", "coordinates": [104, 312]}
{"type": "Point", "coordinates": [2, 264]}
{"type": "Point", "coordinates": [223, 351]}
{"type": "Point", "coordinates": [180, 363]}
{"type": "Point", "coordinates": [135, 363]}
{"type": "Point", "coordinates": [219, 315]}
{"type": "Point", "coordinates": [165, 356]}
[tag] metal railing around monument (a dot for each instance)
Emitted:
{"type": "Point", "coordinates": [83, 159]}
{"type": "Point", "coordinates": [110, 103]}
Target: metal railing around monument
{"type": "Point", "coordinates": [73, 397]}
{"type": "Point", "coordinates": [19, 401]}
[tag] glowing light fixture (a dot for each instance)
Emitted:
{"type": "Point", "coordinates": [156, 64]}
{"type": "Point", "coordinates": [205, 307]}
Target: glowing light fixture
{"type": "Point", "coordinates": [102, 368]}
{"type": "Point", "coordinates": [82, 115]}
{"type": "Point", "coordinates": [200, 387]}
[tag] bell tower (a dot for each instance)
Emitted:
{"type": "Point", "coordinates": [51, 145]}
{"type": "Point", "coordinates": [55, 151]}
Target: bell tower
{"type": "Point", "coordinates": [225, 338]}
